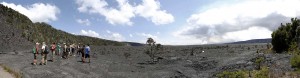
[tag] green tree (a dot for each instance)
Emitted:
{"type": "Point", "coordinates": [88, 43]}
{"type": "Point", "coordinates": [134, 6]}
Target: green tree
{"type": "Point", "coordinates": [285, 35]}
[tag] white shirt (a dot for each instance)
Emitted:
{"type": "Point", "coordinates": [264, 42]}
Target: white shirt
{"type": "Point", "coordinates": [43, 47]}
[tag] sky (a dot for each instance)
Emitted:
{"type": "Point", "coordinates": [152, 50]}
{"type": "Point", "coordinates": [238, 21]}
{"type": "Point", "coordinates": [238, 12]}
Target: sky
{"type": "Point", "coordinates": [168, 22]}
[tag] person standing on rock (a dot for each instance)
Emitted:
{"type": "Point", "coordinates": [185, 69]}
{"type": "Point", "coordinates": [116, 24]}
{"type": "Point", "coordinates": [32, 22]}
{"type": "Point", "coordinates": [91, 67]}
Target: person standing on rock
{"type": "Point", "coordinates": [87, 52]}
{"type": "Point", "coordinates": [53, 47]}
{"type": "Point", "coordinates": [35, 52]}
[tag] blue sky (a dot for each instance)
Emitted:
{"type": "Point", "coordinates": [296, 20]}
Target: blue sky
{"type": "Point", "coordinates": [172, 22]}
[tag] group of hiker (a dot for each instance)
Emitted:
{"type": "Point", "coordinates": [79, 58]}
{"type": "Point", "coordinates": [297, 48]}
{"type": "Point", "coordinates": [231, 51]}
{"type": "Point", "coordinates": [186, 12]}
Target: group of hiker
{"type": "Point", "coordinates": [64, 51]}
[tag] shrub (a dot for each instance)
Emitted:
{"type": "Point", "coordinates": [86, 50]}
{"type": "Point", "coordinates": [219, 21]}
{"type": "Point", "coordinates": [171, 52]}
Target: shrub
{"type": "Point", "coordinates": [259, 61]}
{"type": "Point", "coordinates": [286, 35]}
{"type": "Point", "coordinates": [295, 61]}
{"type": "Point", "coordinates": [279, 39]}
{"type": "Point", "coordinates": [235, 74]}
{"type": "Point", "coordinates": [263, 73]}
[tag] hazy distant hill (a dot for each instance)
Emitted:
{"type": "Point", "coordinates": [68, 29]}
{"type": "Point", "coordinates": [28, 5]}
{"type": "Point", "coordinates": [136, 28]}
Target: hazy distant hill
{"type": "Point", "coordinates": [17, 29]}
{"type": "Point", "coordinates": [253, 41]}
{"type": "Point", "coordinates": [134, 44]}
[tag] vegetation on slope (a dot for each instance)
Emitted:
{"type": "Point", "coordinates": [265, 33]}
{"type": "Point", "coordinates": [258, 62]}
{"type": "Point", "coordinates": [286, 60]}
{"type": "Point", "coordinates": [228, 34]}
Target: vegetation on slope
{"type": "Point", "coordinates": [43, 32]}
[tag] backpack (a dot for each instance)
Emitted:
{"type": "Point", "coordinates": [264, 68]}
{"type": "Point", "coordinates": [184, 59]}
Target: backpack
{"type": "Point", "coordinates": [34, 50]}
{"type": "Point", "coordinates": [46, 51]}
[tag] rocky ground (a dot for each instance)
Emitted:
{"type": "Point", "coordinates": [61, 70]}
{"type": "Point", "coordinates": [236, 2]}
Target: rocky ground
{"type": "Point", "coordinates": [132, 62]}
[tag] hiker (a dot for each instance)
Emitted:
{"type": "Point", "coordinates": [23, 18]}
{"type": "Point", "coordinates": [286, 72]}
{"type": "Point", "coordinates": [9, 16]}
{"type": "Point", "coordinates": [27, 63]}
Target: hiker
{"type": "Point", "coordinates": [82, 54]}
{"type": "Point", "coordinates": [53, 48]}
{"type": "Point", "coordinates": [78, 49]}
{"type": "Point", "coordinates": [87, 52]}
{"type": "Point", "coordinates": [73, 49]}
{"type": "Point", "coordinates": [45, 51]}
{"type": "Point", "coordinates": [35, 52]}
{"type": "Point", "coordinates": [65, 52]}
{"type": "Point", "coordinates": [58, 49]}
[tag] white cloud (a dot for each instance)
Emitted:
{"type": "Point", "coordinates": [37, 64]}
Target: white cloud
{"type": "Point", "coordinates": [130, 35]}
{"type": "Point", "coordinates": [250, 33]}
{"type": "Point", "coordinates": [144, 36]}
{"type": "Point", "coordinates": [157, 32]}
{"type": "Point", "coordinates": [84, 22]}
{"type": "Point", "coordinates": [114, 36]}
{"type": "Point", "coordinates": [242, 20]}
{"type": "Point", "coordinates": [149, 9]}
{"type": "Point", "coordinates": [122, 15]}
{"type": "Point", "coordinates": [108, 35]}
{"type": "Point", "coordinates": [37, 12]}
{"type": "Point", "coordinates": [90, 33]}
{"type": "Point", "coordinates": [147, 35]}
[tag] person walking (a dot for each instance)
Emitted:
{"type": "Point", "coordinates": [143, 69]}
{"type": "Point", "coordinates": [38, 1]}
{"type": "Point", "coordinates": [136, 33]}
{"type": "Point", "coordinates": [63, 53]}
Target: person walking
{"type": "Point", "coordinates": [73, 49]}
{"type": "Point", "coordinates": [45, 51]}
{"type": "Point", "coordinates": [65, 52]}
{"type": "Point", "coordinates": [35, 52]}
{"type": "Point", "coordinates": [58, 49]}
{"type": "Point", "coordinates": [87, 52]}
{"type": "Point", "coordinates": [53, 48]}
{"type": "Point", "coordinates": [78, 49]}
{"type": "Point", "coordinates": [70, 50]}
{"type": "Point", "coordinates": [82, 54]}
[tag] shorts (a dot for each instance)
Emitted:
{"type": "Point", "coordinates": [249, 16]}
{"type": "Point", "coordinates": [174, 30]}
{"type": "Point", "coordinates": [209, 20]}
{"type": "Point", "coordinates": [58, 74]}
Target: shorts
{"type": "Point", "coordinates": [34, 56]}
{"type": "Point", "coordinates": [82, 54]}
{"type": "Point", "coordinates": [87, 55]}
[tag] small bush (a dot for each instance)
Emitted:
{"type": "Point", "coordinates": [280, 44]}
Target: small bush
{"type": "Point", "coordinates": [263, 73]}
{"type": "Point", "coordinates": [259, 61]}
{"type": "Point", "coordinates": [295, 61]}
{"type": "Point", "coordinates": [293, 49]}
{"type": "Point", "coordinates": [235, 74]}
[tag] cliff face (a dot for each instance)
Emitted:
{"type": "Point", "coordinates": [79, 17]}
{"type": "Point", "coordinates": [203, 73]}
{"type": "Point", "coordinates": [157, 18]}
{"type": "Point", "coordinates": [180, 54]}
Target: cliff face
{"type": "Point", "coordinates": [18, 32]}
{"type": "Point", "coordinates": [10, 35]}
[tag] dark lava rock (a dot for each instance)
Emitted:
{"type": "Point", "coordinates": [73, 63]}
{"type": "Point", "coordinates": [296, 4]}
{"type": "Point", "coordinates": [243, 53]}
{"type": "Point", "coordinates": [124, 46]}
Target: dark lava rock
{"type": "Point", "coordinates": [202, 66]}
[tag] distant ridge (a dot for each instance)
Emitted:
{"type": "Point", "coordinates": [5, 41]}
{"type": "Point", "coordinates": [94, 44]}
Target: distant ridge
{"type": "Point", "coordinates": [134, 44]}
{"type": "Point", "coordinates": [268, 40]}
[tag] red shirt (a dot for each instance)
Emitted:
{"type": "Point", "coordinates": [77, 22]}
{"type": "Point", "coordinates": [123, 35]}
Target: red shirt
{"type": "Point", "coordinates": [37, 49]}
{"type": "Point", "coordinates": [53, 47]}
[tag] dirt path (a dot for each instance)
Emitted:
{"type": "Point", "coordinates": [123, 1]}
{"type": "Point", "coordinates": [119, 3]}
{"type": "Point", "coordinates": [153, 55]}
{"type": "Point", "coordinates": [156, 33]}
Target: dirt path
{"type": "Point", "coordinates": [5, 74]}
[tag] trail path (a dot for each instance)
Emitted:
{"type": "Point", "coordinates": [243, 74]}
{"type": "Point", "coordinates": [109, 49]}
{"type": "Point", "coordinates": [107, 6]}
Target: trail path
{"type": "Point", "coordinates": [5, 74]}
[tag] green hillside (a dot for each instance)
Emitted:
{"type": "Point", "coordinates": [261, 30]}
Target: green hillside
{"type": "Point", "coordinates": [43, 32]}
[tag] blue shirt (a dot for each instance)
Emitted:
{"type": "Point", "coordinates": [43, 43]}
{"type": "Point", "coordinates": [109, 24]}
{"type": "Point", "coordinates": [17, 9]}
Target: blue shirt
{"type": "Point", "coordinates": [87, 50]}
